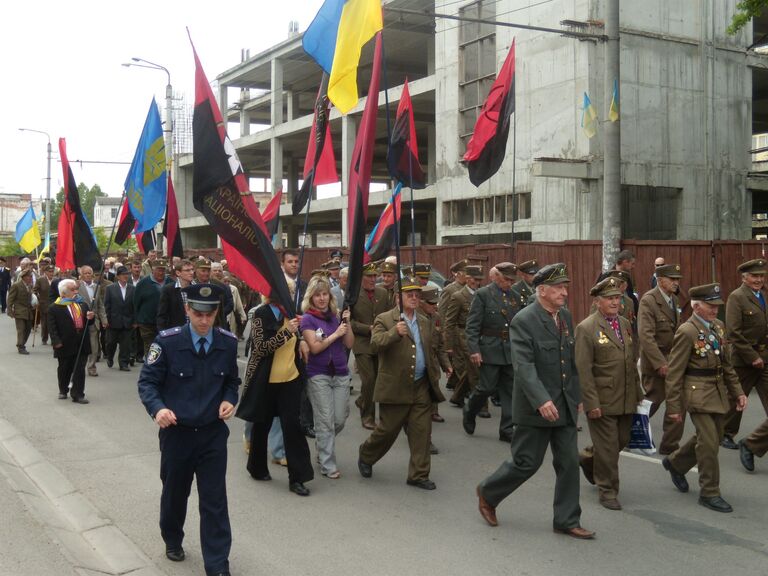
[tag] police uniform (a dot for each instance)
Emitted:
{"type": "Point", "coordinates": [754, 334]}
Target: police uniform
{"type": "Point", "coordinates": [605, 360]}
{"type": "Point", "coordinates": [522, 289]}
{"type": "Point", "coordinates": [194, 385]}
{"type": "Point", "coordinates": [700, 379]}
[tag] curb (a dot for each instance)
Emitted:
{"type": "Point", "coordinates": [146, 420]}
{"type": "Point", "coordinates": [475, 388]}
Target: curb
{"type": "Point", "coordinates": [88, 540]}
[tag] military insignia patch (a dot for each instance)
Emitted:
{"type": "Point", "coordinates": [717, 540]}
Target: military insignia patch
{"type": "Point", "coordinates": [154, 353]}
{"type": "Point", "coordinates": [205, 291]}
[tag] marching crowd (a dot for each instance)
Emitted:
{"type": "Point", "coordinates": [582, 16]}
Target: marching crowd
{"type": "Point", "coordinates": [503, 335]}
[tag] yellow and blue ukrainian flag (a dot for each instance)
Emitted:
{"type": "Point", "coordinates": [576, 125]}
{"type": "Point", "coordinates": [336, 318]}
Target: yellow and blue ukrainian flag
{"type": "Point", "coordinates": [613, 111]}
{"type": "Point", "coordinates": [27, 232]}
{"type": "Point", "coordinates": [588, 117]}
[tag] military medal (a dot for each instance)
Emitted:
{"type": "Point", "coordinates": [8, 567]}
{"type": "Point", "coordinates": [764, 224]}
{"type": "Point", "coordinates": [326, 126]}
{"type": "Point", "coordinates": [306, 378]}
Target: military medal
{"type": "Point", "coordinates": [602, 338]}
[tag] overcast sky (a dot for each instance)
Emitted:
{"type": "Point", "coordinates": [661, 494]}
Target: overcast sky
{"type": "Point", "coordinates": [62, 74]}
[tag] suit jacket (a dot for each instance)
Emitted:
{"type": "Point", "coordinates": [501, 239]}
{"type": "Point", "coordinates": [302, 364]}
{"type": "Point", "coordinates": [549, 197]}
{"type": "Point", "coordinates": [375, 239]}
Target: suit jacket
{"type": "Point", "coordinates": [20, 301]}
{"type": "Point", "coordinates": [697, 348]}
{"type": "Point", "coordinates": [5, 279]}
{"type": "Point", "coordinates": [488, 324]}
{"type": "Point", "coordinates": [656, 326]}
{"type": "Point", "coordinates": [545, 368]}
{"type": "Point", "coordinates": [97, 303]}
{"type": "Point", "coordinates": [362, 315]}
{"type": "Point", "coordinates": [120, 313]}
{"type": "Point", "coordinates": [607, 370]}
{"type": "Point", "coordinates": [170, 310]}
{"type": "Point", "coordinates": [747, 324]}
{"type": "Point", "coordinates": [61, 328]}
{"type": "Point", "coordinates": [43, 291]}
{"type": "Point", "coordinates": [397, 359]}
{"type": "Point", "coordinates": [456, 313]}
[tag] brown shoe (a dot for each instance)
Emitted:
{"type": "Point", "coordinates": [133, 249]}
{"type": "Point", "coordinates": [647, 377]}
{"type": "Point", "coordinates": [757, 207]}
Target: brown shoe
{"type": "Point", "coordinates": [611, 504]}
{"type": "Point", "coordinates": [487, 511]}
{"type": "Point", "coordinates": [92, 373]}
{"type": "Point", "coordinates": [437, 418]}
{"type": "Point", "coordinates": [576, 532]}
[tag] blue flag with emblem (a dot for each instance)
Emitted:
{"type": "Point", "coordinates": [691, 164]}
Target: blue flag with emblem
{"type": "Point", "coordinates": [146, 184]}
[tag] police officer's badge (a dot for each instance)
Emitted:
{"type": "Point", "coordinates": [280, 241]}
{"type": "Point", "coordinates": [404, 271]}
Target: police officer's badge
{"type": "Point", "coordinates": [154, 353]}
{"type": "Point", "coordinates": [205, 291]}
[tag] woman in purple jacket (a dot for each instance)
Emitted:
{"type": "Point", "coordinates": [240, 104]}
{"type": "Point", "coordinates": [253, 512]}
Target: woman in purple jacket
{"type": "Point", "coordinates": [328, 385]}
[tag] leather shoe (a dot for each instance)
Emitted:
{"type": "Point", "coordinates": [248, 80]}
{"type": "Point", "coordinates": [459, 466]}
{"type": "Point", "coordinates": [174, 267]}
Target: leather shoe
{"type": "Point", "coordinates": [110, 362]}
{"type": "Point", "coordinates": [576, 532]}
{"type": "Point", "coordinates": [62, 396]}
{"type": "Point", "coordinates": [715, 503]}
{"type": "Point", "coordinates": [746, 456]}
{"type": "Point", "coordinates": [487, 511]}
{"type": "Point", "coordinates": [175, 554]}
{"type": "Point", "coordinates": [505, 438]}
{"type": "Point", "coordinates": [309, 431]}
{"type": "Point", "coordinates": [611, 504]}
{"type": "Point", "coordinates": [437, 418]}
{"type": "Point", "coordinates": [366, 470]}
{"type": "Point", "coordinates": [423, 484]}
{"type": "Point", "coordinates": [727, 442]}
{"type": "Point", "coordinates": [93, 373]}
{"type": "Point", "coordinates": [468, 422]}
{"type": "Point", "coordinates": [23, 351]}
{"type": "Point", "coordinates": [456, 403]}
{"type": "Point", "coordinates": [586, 464]}
{"type": "Point", "coordinates": [483, 414]}
{"type": "Point", "coordinates": [677, 479]}
{"type": "Point", "coordinates": [433, 449]}
{"type": "Point", "coordinates": [81, 400]}
{"type": "Point", "coordinates": [265, 478]}
{"type": "Point", "coordinates": [495, 401]}
{"type": "Point", "coordinates": [124, 369]}
{"type": "Point", "coordinates": [298, 488]}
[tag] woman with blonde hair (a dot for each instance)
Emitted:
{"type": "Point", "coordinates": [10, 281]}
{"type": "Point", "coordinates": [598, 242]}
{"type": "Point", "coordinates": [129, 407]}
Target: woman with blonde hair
{"type": "Point", "coordinates": [328, 337]}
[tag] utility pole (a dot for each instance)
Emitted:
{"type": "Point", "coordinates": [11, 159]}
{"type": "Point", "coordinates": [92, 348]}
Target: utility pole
{"type": "Point", "coordinates": [612, 225]}
{"type": "Point", "coordinates": [47, 184]}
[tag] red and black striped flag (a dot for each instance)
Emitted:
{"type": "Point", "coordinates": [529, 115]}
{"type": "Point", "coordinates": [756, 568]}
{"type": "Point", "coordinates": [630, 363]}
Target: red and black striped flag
{"type": "Point", "coordinates": [171, 231]}
{"type": "Point", "coordinates": [126, 225]}
{"type": "Point", "coordinates": [403, 152]}
{"type": "Point", "coordinates": [271, 214]}
{"type": "Point", "coordinates": [383, 236]}
{"type": "Point", "coordinates": [488, 145]}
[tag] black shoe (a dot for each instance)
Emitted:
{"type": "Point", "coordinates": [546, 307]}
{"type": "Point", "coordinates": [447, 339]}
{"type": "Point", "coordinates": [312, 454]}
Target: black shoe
{"type": "Point", "coordinates": [62, 396]}
{"type": "Point", "coordinates": [110, 362]}
{"type": "Point", "coordinates": [140, 360]}
{"type": "Point", "coordinates": [298, 488]}
{"type": "Point", "coordinates": [124, 369]}
{"type": "Point", "coordinates": [433, 449]}
{"type": "Point", "coordinates": [132, 362]}
{"type": "Point", "coordinates": [483, 414]}
{"type": "Point", "coordinates": [468, 421]}
{"type": "Point", "coordinates": [366, 470]}
{"type": "Point", "coordinates": [309, 431]}
{"type": "Point", "coordinates": [457, 404]}
{"type": "Point", "coordinates": [81, 400]}
{"type": "Point", "coordinates": [677, 479]}
{"type": "Point", "coordinates": [505, 438]}
{"type": "Point", "coordinates": [175, 554]}
{"type": "Point", "coordinates": [495, 401]}
{"type": "Point", "coordinates": [746, 456]}
{"type": "Point", "coordinates": [423, 484]}
{"type": "Point", "coordinates": [727, 442]}
{"type": "Point", "coordinates": [23, 351]}
{"type": "Point", "coordinates": [265, 478]}
{"type": "Point", "coordinates": [715, 503]}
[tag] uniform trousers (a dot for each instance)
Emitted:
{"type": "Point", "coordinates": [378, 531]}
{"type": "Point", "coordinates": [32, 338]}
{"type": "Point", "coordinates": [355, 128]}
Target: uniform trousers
{"type": "Point", "coordinates": [610, 435]}
{"type": "Point", "coordinates": [367, 367]}
{"type": "Point", "coordinates": [23, 328]}
{"type": "Point", "coordinates": [528, 446]}
{"type": "Point", "coordinates": [757, 442]}
{"type": "Point", "coordinates": [93, 335]}
{"type": "Point", "coordinates": [67, 370]}
{"type": "Point", "coordinates": [672, 432]}
{"type": "Point", "coordinates": [148, 333]}
{"type": "Point", "coordinates": [701, 449]}
{"type": "Point", "coordinates": [202, 453]}
{"type": "Point", "coordinates": [417, 418]}
{"type": "Point", "coordinates": [494, 378]}
{"type": "Point", "coordinates": [121, 337]}
{"type": "Point", "coordinates": [283, 400]}
{"type": "Point", "coordinates": [467, 378]}
{"type": "Point", "coordinates": [749, 378]}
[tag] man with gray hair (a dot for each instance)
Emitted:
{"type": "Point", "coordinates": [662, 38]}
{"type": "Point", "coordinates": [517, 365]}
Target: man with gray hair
{"type": "Point", "coordinates": [340, 289]}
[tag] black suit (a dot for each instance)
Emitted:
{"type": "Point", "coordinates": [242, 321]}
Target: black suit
{"type": "Point", "coordinates": [121, 319]}
{"type": "Point", "coordinates": [67, 342]}
{"type": "Point", "coordinates": [5, 284]}
{"type": "Point", "coordinates": [170, 311]}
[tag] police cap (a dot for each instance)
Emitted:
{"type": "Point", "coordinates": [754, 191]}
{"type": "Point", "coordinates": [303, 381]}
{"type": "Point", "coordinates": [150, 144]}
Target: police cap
{"type": "Point", "coordinates": [203, 297]}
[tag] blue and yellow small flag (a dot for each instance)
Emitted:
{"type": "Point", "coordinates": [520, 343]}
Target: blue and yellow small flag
{"type": "Point", "coordinates": [588, 117]}
{"type": "Point", "coordinates": [613, 111]}
{"type": "Point", "coordinates": [27, 232]}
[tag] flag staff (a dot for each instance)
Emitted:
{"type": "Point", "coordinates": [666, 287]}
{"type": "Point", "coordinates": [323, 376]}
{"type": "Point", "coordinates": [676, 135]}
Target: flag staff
{"type": "Point", "coordinates": [514, 174]}
{"type": "Point", "coordinates": [304, 238]}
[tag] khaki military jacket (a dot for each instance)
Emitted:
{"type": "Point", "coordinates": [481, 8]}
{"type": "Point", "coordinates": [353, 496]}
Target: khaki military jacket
{"type": "Point", "coordinates": [700, 370]}
{"type": "Point", "coordinates": [656, 327]}
{"type": "Point", "coordinates": [456, 312]}
{"type": "Point", "coordinates": [20, 301]}
{"type": "Point", "coordinates": [42, 290]}
{"type": "Point", "coordinates": [747, 326]}
{"type": "Point", "coordinates": [363, 314]}
{"type": "Point", "coordinates": [488, 321]}
{"type": "Point", "coordinates": [606, 365]}
{"type": "Point", "coordinates": [445, 296]}
{"type": "Point", "coordinates": [395, 381]}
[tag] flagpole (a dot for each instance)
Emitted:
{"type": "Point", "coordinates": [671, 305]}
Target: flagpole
{"type": "Point", "coordinates": [304, 238]}
{"type": "Point", "coordinates": [514, 173]}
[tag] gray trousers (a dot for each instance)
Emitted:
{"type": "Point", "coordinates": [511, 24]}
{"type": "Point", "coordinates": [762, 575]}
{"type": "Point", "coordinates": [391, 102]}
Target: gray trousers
{"type": "Point", "coordinates": [529, 445]}
{"type": "Point", "coordinates": [330, 404]}
{"type": "Point", "coordinates": [494, 378]}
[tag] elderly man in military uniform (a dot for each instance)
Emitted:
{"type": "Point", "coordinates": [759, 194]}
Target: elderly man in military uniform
{"type": "Point", "coordinates": [456, 313]}
{"type": "Point", "coordinates": [523, 288]}
{"type": "Point", "coordinates": [189, 386]}
{"type": "Point", "coordinates": [407, 384]}
{"type": "Point", "coordinates": [487, 332]}
{"type": "Point", "coordinates": [746, 322]}
{"type": "Point", "coordinates": [372, 301]}
{"type": "Point", "coordinates": [22, 304]}
{"type": "Point", "coordinates": [546, 402]}
{"type": "Point", "coordinates": [457, 270]}
{"type": "Point", "coordinates": [701, 379]}
{"type": "Point", "coordinates": [422, 273]}
{"type": "Point", "coordinates": [658, 320]}
{"type": "Point", "coordinates": [610, 388]}
{"type": "Point", "coordinates": [388, 271]}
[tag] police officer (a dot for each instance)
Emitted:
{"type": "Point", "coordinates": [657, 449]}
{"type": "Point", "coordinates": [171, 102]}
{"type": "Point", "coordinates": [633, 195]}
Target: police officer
{"type": "Point", "coordinates": [188, 385]}
{"type": "Point", "coordinates": [700, 379]}
{"type": "Point", "coordinates": [487, 331]}
{"type": "Point", "coordinates": [523, 288]}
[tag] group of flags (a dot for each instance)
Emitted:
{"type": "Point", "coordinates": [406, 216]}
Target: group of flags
{"type": "Point", "coordinates": [589, 114]}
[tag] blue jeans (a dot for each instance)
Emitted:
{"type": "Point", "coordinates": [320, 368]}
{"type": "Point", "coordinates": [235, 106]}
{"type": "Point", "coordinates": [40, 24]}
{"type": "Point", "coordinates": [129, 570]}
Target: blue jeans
{"type": "Point", "coordinates": [330, 403]}
{"type": "Point", "coordinates": [274, 440]}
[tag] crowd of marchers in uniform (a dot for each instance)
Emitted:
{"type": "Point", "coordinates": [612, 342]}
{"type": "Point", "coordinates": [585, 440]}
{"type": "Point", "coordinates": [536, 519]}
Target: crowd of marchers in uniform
{"type": "Point", "coordinates": [502, 336]}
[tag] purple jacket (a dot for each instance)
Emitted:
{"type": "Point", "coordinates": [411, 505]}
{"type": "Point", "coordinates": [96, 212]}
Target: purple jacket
{"type": "Point", "coordinates": [331, 361]}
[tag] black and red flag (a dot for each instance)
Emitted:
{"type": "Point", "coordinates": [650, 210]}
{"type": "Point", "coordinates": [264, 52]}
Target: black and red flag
{"type": "Point", "coordinates": [384, 235]}
{"type": "Point", "coordinates": [360, 180]}
{"type": "Point", "coordinates": [76, 245]}
{"type": "Point", "coordinates": [127, 225]}
{"type": "Point", "coordinates": [488, 145]}
{"type": "Point", "coordinates": [171, 231]}
{"type": "Point", "coordinates": [403, 152]}
{"type": "Point", "coordinates": [271, 214]}
{"type": "Point", "coordinates": [320, 163]}
{"type": "Point", "coordinates": [145, 241]}
{"type": "Point", "coordinates": [220, 193]}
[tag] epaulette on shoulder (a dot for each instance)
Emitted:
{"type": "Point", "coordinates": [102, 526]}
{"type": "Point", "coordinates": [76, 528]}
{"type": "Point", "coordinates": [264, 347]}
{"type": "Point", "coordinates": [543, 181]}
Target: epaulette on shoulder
{"type": "Point", "coordinates": [227, 333]}
{"type": "Point", "coordinates": [170, 331]}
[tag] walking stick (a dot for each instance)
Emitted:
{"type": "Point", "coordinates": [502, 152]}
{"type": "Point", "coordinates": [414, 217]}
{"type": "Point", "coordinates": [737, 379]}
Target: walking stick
{"type": "Point", "coordinates": [34, 324]}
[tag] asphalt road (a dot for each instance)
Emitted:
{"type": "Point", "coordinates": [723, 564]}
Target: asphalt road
{"type": "Point", "coordinates": [108, 451]}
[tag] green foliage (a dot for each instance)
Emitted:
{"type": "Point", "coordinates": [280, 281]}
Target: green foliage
{"type": "Point", "coordinates": [9, 247]}
{"type": "Point", "coordinates": [745, 11]}
{"type": "Point", "coordinates": [102, 239]}
{"type": "Point", "coordinates": [87, 201]}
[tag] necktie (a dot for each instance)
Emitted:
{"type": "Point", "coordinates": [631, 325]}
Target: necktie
{"type": "Point", "coordinates": [761, 299]}
{"type": "Point", "coordinates": [201, 348]}
{"type": "Point", "coordinates": [614, 322]}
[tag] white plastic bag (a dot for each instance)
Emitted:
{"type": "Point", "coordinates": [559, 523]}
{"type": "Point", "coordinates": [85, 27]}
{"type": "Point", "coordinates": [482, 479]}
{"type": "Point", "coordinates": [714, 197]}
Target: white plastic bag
{"type": "Point", "coordinates": [641, 438]}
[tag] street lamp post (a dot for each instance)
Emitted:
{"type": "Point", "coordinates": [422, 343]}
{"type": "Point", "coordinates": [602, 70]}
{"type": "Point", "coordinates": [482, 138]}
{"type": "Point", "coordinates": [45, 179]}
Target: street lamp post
{"type": "Point", "coordinates": [47, 185]}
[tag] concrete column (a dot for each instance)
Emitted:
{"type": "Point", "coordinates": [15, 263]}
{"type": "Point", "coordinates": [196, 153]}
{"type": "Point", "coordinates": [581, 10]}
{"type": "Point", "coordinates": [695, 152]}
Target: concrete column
{"type": "Point", "coordinates": [611, 142]}
{"type": "Point", "coordinates": [290, 105]}
{"type": "Point", "coordinates": [293, 178]}
{"type": "Point", "coordinates": [245, 117]}
{"type": "Point", "coordinates": [429, 161]}
{"type": "Point", "coordinates": [348, 135]}
{"type": "Point", "coordinates": [276, 163]}
{"type": "Point", "coordinates": [223, 101]}
{"type": "Point", "coordinates": [277, 92]}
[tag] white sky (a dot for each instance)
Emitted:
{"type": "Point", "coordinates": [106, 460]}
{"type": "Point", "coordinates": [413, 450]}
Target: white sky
{"type": "Point", "coordinates": [62, 73]}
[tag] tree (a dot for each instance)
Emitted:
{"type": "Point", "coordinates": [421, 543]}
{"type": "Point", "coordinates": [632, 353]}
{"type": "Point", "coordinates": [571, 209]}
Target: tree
{"type": "Point", "coordinates": [88, 198]}
{"type": "Point", "coordinates": [745, 11]}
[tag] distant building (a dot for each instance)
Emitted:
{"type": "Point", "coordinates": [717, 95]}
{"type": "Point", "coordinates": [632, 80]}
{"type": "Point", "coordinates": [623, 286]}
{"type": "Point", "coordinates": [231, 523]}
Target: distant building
{"type": "Point", "coordinates": [13, 207]}
{"type": "Point", "coordinates": [105, 210]}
